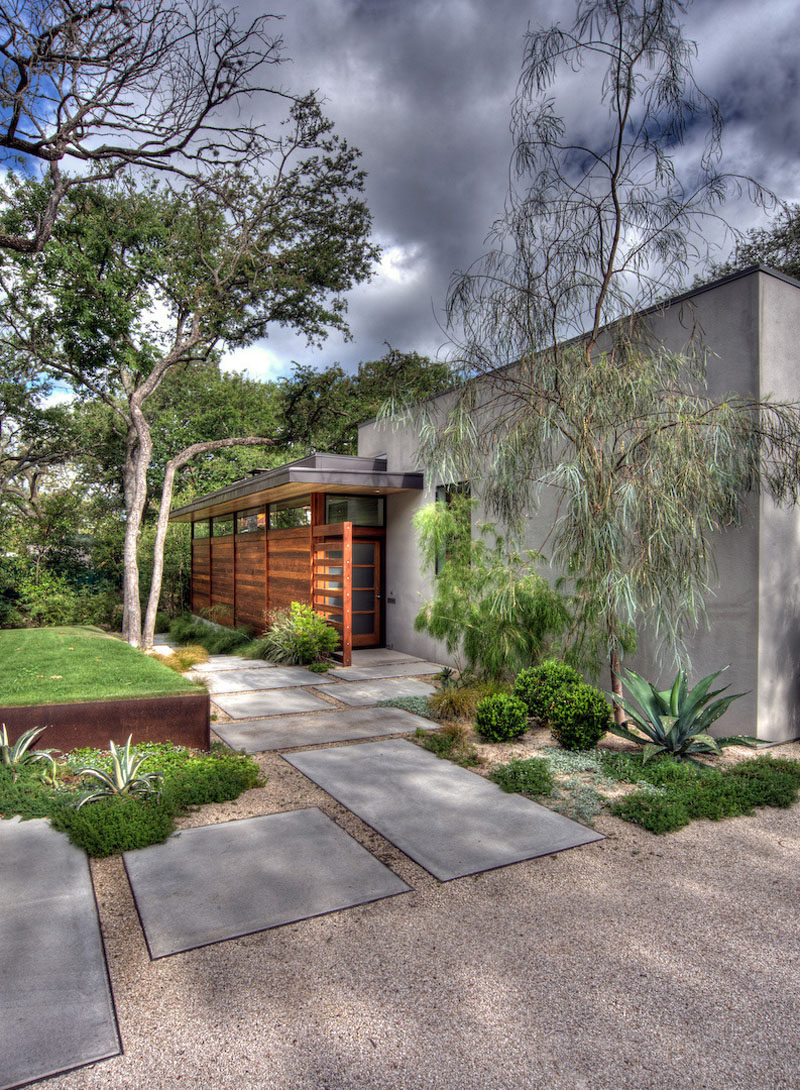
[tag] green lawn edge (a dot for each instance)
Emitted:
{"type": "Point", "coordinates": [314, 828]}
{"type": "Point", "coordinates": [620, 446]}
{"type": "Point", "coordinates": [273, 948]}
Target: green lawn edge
{"type": "Point", "coordinates": [73, 664]}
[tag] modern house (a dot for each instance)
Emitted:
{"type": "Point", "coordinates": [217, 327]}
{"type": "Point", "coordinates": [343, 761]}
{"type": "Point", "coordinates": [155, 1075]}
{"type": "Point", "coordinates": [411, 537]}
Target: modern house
{"type": "Point", "coordinates": [336, 531]}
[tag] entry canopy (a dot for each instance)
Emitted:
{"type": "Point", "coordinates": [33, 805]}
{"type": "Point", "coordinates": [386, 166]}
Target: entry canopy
{"type": "Point", "coordinates": [342, 474]}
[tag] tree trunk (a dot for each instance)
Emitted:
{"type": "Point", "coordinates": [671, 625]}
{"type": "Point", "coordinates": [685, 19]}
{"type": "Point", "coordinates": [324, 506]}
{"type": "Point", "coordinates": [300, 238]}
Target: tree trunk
{"type": "Point", "coordinates": [173, 465]}
{"type": "Point", "coordinates": [138, 451]}
{"type": "Point", "coordinates": [616, 684]}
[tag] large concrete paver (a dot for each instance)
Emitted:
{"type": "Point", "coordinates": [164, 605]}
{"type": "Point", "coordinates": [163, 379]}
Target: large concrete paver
{"type": "Point", "coordinates": [386, 670]}
{"type": "Point", "coordinates": [279, 677]}
{"type": "Point", "coordinates": [318, 728]}
{"type": "Point", "coordinates": [379, 656]}
{"type": "Point", "coordinates": [271, 702]}
{"type": "Point", "coordinates": [362, 694]}
{"type": "Point", "coordinates": [215, 663]}
{"type": "Point", "coordinates": [56, 1008]}
{"type": "Point", "coordinates": [449, 820]}
{"type": "Point", "coordinates": [221, 881]}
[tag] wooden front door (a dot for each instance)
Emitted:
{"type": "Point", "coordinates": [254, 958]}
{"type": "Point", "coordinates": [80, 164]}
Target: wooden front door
{"type": "Point", "coordinates": [366, 593]}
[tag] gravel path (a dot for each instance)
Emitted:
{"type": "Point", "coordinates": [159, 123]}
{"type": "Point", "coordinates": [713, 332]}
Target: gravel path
{"type": "Point", "coordinates": [636, 962]}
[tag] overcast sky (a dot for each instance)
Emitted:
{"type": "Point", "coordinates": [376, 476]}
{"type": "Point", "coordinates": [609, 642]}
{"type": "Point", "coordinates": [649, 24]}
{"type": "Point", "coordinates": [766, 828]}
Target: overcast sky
{"type": "Point", "coordinates": [424, 88]}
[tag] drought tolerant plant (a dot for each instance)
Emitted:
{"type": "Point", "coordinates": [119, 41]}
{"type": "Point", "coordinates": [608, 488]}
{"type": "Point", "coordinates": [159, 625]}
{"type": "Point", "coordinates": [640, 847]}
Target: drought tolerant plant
{"type": "Point", "coordinates": [501, 718]}
{"type": "Point", "coordinates": [490, 605]}
{"type": "Point", "coordinates": [527, 777]}
{"type": "Point", "coordinates": [450, 743]}
{"type": "Point", "coordinates": [14, 755]}
{"type": "Point", "coordinates": [711, 793]}
{"type": "Point", "coordinates": [461, 701]}
{"type": "Point", "coordinates": [579, 717]}
{"type": "Point", "coordinates": [540, 686]}
{"type": "Point", "coordinates": [416, 705]}
{"type": "Point", "coordinates": [296, 635]}
{"type": "Point", "coordinates": [113, 825]}
{"type": "Point", "coordinates": [216, 640]}
{"type": "Point", "coordinates": [124, 778]}
{"type": "Point", "coordinates": [676, 720]}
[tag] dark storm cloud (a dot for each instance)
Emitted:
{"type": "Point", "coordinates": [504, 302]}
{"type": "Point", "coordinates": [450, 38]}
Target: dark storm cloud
{"type": "Point", "coordinates": [424, 88]}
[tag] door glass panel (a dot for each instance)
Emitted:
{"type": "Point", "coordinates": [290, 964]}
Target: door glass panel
{"type": "Point", "coordinates": [363, 552]}
{"type": "Point", "coordinates": [363, 600]}
{"type": "Point", "coordinates": [363, 623]}
{"type": "Point", "coordinates": [363, 577]}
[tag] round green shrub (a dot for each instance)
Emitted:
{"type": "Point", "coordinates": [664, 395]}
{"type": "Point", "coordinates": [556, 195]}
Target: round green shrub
{"type": "Point", "coordinates": [579, 717]}
{"type": "Point", "coordinates": [540, 686]}
{"type": "Point", "coordinates": [501, 718]}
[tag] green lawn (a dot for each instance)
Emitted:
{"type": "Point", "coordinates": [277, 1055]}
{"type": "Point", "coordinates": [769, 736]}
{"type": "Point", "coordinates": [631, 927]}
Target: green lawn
{"type": "Point", "coordinates": [68, 664]}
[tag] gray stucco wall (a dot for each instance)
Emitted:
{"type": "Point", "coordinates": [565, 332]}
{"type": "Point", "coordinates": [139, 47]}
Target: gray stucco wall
{"type": "Point", "coordinates": [750, 326]}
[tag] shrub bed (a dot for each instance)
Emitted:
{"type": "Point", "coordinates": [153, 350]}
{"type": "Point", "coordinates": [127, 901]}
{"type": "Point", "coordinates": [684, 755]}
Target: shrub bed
{"type": "Point", "coordinates": [108, 826]}
{"type": "Point", "coordinates": [501, 718]}
{"type": "Point", "coordinates": [681, 793]}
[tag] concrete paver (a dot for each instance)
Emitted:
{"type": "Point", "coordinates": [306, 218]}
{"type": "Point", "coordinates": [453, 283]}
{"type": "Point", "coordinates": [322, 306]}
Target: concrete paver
{"type": "Point", "coordinates": [279, 677]}
{"type": "Point", "coordinates": [215, 663]}
{"type": "Point", "coordinates": [449, 820]}
{"type": "Point", "coordinates": [318, 728]}
{"type": "Point", "coordinates": [271, 702]}
{"type": "Point", "coordinates": [362, 694]}
{"type": "Point", "coordinates": [221, 881]}
{"type": "Point", "coordinates": [384, 670]}
{"type": "Point", "coordinates": [56, 1008]}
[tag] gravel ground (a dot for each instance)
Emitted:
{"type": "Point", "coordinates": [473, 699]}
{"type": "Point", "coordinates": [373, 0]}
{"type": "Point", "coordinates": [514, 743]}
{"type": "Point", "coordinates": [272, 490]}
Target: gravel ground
{"type": "Point", "coordinates": [636, 962]}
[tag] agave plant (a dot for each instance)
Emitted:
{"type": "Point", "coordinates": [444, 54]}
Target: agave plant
{"type": "Point", "coordinates": [676, 720]}
{"type": "Point", "coordinates": [20, 753]}
{"type": "Point", "coordinates": [124, 779]}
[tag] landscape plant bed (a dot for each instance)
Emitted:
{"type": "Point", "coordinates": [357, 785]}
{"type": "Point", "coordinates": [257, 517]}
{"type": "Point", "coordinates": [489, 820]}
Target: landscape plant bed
{"type": "Point", "coordinates": [661, 796]}
{"type": "Point", "coordinates": [182, 780]}
{"type": "Point", "coordinates": [87, 687]}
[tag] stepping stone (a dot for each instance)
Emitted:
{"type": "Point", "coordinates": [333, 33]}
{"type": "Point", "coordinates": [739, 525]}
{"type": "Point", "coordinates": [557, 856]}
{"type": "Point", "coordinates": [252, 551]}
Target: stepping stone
{"type": "Point", "coordinates": [290, 731]}
{"type": "Point", "coordinates": [279, 677]}
{"type": "Point", "coordinates": [449, 820]}
{"type": "Point", "coordinates": [216, 663]}
{"type": "Point", "coordinates": [379, 656]}
{"type": "Point", "coordinates": [272, 702]}
{"type": "Point", "coordinates": [360, 695]}
{"type": "Point", "coordinates": [218, 882]}
{"type": "Point", "coordinates": [390, 669]}
{"type": "Point", "coordinates": [55, 996]}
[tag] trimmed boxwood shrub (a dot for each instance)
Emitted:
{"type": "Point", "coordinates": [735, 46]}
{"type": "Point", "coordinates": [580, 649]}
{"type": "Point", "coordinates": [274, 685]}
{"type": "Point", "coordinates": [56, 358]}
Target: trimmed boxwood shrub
{"type": "Point", "coordinates": [501, 718]}
{"type": "Point", "coordinates": [579, 717]}
{"type": "Point", "coordinates": [540, 686]}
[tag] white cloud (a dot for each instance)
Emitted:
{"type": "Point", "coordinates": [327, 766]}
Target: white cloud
{"type": "Point", "coordinates": [256, 361]}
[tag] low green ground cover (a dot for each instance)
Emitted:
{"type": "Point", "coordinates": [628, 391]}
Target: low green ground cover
{"type": "Point", "coordinates": [670, 793]}
{"type": "Point", "coordinates": [111, 825]}
{"type": "Point", "coordinates": [68, 664]}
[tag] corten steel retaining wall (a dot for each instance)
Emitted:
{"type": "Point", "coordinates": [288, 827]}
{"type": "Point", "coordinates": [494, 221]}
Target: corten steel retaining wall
{"type": "Point", "coordinates": [183, 719]}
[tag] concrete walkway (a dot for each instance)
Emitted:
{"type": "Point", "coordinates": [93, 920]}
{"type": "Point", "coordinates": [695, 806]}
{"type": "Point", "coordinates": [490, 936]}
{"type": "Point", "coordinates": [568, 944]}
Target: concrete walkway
{"type": "Point", "coordinates": [447, 819]}
{"type": "Point", "coordinates": [56, 1010]}
{"type": "Point", "coordinates": [222, 881]}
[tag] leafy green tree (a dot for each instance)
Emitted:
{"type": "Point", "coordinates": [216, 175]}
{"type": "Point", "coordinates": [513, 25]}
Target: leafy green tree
{"type": "Point", "coordinates": [641, 464]}
{"type": "Point", "coordinates": [777, 245]}
{"type": "Point", "coordinates": [321, 410]}
{"type": "Point", "coordinates": [137, 283]}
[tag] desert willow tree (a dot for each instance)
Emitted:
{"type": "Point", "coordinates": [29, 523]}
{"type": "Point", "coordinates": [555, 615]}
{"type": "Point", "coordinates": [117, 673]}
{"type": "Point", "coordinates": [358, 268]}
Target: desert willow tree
{"type": "Point", "coordinates": [564, 395]}
{"type": "Point", "coordinates": [138, 283]}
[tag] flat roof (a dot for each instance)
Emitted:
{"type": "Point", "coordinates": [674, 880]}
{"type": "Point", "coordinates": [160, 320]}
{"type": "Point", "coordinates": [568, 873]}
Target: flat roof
{"type": "Point", "coordinates": [338, 474]}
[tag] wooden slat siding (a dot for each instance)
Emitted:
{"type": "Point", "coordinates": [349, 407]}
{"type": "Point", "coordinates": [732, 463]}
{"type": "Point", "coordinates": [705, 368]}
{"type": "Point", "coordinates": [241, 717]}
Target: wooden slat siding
{"type": "Point", "coordinates": [347, 596]}
{"type": "Point", "coordinates": [222, 577]}
{"type": "Point", "coordinates": [251, 580]}
{"type": "Point", "coordinates": [289, 567]}
{"type": "Point", "coordinates": [201, 574]}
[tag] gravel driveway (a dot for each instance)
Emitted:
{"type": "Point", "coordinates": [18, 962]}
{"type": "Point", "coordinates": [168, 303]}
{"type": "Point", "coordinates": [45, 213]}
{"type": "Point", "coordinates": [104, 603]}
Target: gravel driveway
{"type": "Point", "coordinates": [635, 962]}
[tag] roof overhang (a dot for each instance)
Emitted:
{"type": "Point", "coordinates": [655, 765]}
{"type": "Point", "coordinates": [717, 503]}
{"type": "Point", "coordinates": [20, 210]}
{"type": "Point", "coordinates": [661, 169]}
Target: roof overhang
{"type": "Point", "coordinates": [341, 474]}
